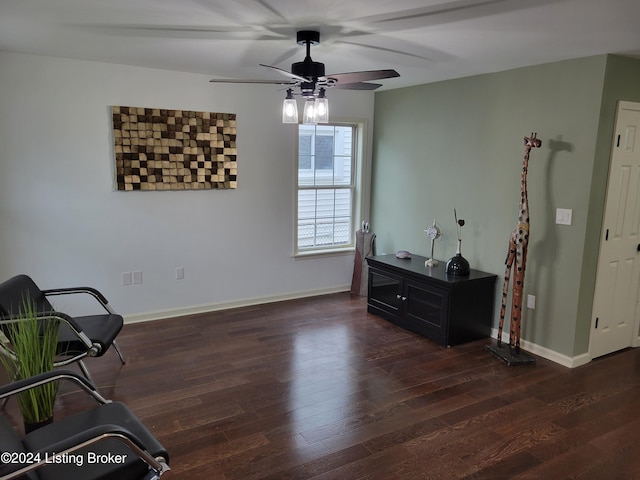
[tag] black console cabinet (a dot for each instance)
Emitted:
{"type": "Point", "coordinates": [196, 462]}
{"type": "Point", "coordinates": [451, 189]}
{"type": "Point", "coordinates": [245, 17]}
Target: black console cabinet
{"type": "Point", "coordinates": [449, 309]}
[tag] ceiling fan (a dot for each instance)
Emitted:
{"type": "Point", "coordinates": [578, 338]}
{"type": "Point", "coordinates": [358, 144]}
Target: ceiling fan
{"type": "Point", "coordinates": [308, 76]}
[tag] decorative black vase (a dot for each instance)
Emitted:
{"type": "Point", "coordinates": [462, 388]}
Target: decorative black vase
{"type": "Point", "coordinates": [458, 265]}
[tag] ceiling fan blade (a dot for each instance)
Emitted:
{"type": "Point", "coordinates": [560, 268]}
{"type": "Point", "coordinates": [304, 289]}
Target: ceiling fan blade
{"type": "Point", "coordinates": [285, 73]}
{"type": "Point", "coordinates": [357, 86]}
{"type": "Point", "coordinates": [242, 80]}
{"type": "Point", "coordinates": [357, 77]}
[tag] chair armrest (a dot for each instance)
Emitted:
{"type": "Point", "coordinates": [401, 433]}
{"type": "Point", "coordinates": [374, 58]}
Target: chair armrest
{"type": "Point", "coordinates": [20, 386]}
{"type": "Point", "coordinates": [90, 437]}
{"type": "Point", "coordinates": [61, 317]}
{"type": "Point", "coordinates": [99, 433]}
{"type": "Point", "coordinates": [73, 290]}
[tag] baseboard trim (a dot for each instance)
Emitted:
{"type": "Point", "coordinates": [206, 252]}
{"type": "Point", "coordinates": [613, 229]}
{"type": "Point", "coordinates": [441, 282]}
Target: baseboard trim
{"type": "Point", "coordinates": [535, 349]}
{"type": "Point", "coordinates": [544, 352]}
{"type": "Point", "coordinates": [243, 302]}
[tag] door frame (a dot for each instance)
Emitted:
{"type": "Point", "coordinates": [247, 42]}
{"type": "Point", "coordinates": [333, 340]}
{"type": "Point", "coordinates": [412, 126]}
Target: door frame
{"type": "Point", "coordinates": [635, 334]}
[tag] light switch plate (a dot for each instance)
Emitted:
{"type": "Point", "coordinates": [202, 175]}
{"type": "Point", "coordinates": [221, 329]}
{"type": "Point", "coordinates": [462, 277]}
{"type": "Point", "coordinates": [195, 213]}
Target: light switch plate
{"type": "Point", "coordinates": [531, 302]}
{"type": "Point", "coordinates": [563, 216]}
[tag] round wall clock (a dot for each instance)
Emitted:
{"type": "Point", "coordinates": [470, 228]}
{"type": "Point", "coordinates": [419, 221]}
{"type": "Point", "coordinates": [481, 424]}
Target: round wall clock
{"type": "Point", "coordinates": [433, 232]}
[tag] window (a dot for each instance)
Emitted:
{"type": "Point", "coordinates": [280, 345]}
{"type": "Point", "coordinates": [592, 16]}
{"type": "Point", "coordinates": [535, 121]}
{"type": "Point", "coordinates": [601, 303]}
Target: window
{"type": "Point", "coordinates": [327, 193]}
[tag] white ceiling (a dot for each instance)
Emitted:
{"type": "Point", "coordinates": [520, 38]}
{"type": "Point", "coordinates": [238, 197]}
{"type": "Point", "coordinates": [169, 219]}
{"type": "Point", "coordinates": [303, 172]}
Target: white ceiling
{"type": "Point", "coordinates": [424, 40]}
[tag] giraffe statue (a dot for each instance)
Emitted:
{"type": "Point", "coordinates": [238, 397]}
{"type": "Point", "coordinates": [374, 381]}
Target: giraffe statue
{"type": "Point", "coordinates": [517, 253]}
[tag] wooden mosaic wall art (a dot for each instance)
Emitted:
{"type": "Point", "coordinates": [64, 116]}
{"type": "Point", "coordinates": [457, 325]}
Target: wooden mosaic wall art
{"type": "Point", "coordinates": [161, 149]}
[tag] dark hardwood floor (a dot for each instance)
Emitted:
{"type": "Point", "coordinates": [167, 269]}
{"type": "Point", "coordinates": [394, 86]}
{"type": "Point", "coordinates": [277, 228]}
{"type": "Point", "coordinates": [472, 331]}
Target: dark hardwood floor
{"type": "Point", "coordinates": [319, 389]}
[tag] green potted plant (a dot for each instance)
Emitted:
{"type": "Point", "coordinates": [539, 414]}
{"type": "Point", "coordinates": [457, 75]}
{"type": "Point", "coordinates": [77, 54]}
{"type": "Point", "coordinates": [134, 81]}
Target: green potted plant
{"type": "Point", "coordinates": [30, 349]}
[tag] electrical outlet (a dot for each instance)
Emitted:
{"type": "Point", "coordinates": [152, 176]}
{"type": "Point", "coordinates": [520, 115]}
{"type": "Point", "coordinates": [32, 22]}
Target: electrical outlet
{"type": "Point", "coordinates": [180, 273]}
{"type": "Point", "coordinates": [126, 278]}
{"type": "Point", "coordinates": [137, 277]}
{"type": "Point", "coordinates": [531, 302]}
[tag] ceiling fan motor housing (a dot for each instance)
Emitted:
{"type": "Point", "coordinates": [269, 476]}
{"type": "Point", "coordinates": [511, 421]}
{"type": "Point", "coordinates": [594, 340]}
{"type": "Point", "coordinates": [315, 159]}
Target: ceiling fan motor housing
{"type": "Point", "coordinates": [308, 68]}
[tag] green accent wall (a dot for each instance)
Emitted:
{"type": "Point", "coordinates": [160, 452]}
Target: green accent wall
{"type": "Point", "coordinates": [459, 143]}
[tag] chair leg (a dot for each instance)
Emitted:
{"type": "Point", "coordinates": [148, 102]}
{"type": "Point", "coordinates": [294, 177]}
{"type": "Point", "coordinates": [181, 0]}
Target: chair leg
{"type": "Point", "coordinates": [85, 371]}
{"type": "Point", "coordinates": [117, 349]}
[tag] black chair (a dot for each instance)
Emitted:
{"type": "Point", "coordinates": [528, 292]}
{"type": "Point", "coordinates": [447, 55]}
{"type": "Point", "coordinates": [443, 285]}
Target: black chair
{"type": "Point", "coordinates": [107, 442]}
{"type": "Point", "coordinates": [78, 337]}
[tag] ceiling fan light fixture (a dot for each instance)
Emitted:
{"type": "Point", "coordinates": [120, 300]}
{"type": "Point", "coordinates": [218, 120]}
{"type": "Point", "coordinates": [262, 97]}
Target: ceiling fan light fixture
{"type": "Point", "coordinates": [289, 108]}
{"type": "Point", "coordinates": [322, 107]}
{"type": "Point", "coordinates": [309, 75]}
{"type": "Point", "coordinates": [309, 112]}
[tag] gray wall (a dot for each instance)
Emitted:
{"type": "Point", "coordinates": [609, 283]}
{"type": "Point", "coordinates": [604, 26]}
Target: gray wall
{"type": "Point", "coordinates": [459, 144]}
{"type": "Point", "coordinates": [63, 222]}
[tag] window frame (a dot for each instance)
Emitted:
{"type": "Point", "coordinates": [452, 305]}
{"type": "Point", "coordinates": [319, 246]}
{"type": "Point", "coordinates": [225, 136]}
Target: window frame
{"type": "Point", "coordinates": [357, 188]}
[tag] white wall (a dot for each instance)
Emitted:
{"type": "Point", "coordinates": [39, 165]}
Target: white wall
{"type": "Point", "coordinates": [63, 223]}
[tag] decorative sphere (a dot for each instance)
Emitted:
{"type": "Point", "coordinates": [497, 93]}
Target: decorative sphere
{"type": "Point", "coordinates": [458, 265]}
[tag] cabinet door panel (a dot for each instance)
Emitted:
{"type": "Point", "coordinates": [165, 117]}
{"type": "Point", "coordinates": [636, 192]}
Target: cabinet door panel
{"type": "Point", "coordinates": [385, 290]}
{"type": "Point", "coordinates": [427, 305]}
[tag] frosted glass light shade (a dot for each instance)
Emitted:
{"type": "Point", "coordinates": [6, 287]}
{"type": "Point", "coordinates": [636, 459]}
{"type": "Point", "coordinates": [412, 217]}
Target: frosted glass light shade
{"type": "Point", "coordinates": [322, 110]}
{"type": "Point", "coordinates": [289, 110]}
{"type": "Point", "coordinates": [309, 112]}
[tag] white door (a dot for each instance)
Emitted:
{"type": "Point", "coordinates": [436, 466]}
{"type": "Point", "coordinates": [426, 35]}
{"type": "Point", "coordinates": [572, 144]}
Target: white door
{"type": "Point", "coordinates": [615, 311]}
